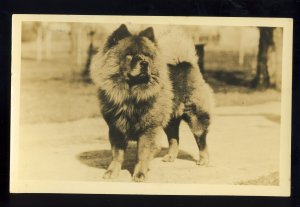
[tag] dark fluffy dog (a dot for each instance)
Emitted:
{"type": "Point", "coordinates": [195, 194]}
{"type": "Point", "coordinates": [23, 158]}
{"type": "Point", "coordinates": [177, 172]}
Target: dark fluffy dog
{"type": "Point", "coordinates": [144, 86]}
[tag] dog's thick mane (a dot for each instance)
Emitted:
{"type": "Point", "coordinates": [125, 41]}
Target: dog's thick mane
{"type": "Point", "coordinates": [132, 108]}
{"type": "Point", "coordinates": [105, 74]}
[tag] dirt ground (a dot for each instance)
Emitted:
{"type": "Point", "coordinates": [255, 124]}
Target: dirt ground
{"type": "Point", "coordinates": [243, 144]}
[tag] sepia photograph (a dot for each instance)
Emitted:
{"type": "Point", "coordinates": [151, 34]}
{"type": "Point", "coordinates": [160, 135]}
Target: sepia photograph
{"type": "Point", "coordinates": [151, 105]}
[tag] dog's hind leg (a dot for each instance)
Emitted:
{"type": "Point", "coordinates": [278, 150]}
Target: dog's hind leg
{"type": "Point", "coordinates": [203, 152]}
{"type": "Point", "coordinates": [172, 131]}
{"type": "Point", "coordinates": [118, 146]}
{"type": "Point", "coordinates": [198, 122]}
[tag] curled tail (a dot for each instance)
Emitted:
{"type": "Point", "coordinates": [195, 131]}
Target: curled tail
{"type": "Point", "coordinates": [179, 52]}
{"type": "Point", "coordinates": [177, 47]}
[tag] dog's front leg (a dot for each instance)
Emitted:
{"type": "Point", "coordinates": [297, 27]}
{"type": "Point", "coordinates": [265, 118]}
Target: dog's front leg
{"type": "Point", "coordinates": [118, 146]}
{"type": "Point", "coordinates": [147, 148]}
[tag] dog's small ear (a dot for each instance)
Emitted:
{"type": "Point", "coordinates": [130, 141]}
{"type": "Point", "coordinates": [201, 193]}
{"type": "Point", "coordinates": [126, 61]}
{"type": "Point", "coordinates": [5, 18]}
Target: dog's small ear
{"type": "Point", "coordinates": [149, 33]}
{"type": "Point", "coordinates": [119, 34]}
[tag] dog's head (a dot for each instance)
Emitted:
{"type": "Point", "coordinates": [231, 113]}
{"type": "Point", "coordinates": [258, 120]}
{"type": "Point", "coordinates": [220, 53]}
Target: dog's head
{"type": "Point", "coordinates": [135, 54]}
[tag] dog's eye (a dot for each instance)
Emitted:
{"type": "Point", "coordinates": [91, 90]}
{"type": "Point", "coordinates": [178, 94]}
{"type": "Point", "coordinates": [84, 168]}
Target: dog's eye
{"type": "Point", "coordinates": [128, 57]}
{"type": "Point", "coordinates": [147, 54]}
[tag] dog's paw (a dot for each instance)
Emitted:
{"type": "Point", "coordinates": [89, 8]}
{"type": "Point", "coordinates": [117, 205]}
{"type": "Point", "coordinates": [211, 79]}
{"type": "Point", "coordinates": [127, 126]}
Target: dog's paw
{"type": "Point", "coordinates": [203, 160]}
{"type": "Point", "coordinates": [112, 171]}
{"type": "Point", "coordinates": [169, 158]}
{"type": "Point", "coordinates": [109, 174]}
{"type": "Point", "coordinates": [139, 177]}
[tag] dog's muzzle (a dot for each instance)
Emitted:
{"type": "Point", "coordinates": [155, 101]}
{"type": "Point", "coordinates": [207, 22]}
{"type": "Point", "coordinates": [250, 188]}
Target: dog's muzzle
{"type": "Point", "coordinates": [139, 79]}
{"type": "Point", "coordinates": [140, 73]}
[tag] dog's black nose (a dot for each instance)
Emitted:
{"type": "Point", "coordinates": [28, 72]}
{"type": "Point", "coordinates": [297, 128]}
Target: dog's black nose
{"type": "Point", "coordinates": [144, 64]}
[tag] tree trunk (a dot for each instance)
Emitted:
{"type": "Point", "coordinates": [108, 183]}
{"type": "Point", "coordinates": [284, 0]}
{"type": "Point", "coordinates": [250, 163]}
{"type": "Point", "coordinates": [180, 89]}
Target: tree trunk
{"type": "Point", "coordinates": [262, 78]}
{"type": "Point", "coordinates": [39, 43]}
{"type": "Point", "coordinates": [275, 59]}
{"type": "Point", "coordinates": [91, 51]}
{"type": "Point", "coordinates": [200, 54]}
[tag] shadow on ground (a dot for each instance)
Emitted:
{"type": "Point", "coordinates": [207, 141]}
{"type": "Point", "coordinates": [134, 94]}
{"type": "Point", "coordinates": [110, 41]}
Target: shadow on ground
{"type": "Point", "coordinates": [102, 158]}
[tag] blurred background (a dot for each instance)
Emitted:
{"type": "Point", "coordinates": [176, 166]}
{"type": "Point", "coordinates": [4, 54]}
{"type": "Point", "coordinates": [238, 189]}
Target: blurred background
{"type": "Point", "coordinates": [242, 65]}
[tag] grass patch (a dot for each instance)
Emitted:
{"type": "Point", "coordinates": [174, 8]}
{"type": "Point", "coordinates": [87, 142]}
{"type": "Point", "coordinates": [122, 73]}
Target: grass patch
{"type": "Point", "coordinates": [233, 88]}
{"type": "Point", "coordinates": [53, 91]}
{"type": "Point", "coordinates": [271, 179]}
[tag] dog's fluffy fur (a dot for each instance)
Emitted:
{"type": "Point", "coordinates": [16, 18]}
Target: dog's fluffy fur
{"type": "Point", "coordinates": [148, 83]}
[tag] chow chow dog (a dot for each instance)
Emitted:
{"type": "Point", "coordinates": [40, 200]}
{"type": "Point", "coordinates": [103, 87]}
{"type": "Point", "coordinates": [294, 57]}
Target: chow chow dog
{"type": "Point", "coordinates": [146, 84]}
